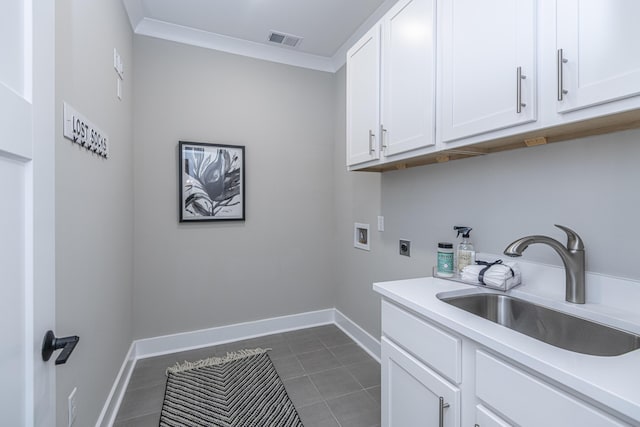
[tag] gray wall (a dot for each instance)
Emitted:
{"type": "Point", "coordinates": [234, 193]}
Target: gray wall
{"type": "Point", "coordinates": [358, 198]}
{"type": "Point", "coordinates": [502, 196]}
{"type": "Point", "coordinates": [94, 211]}
{"type": "Point", "coordinates": [294, 253]}
{"type": "Point", "coordinates": [589, 185]}
{"type": "Point", "coordinates": [278, 262]}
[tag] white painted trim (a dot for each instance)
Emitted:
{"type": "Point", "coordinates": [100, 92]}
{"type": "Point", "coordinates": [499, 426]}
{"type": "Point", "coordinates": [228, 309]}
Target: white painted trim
{"type": "Point", "coordinates": [181, 34]}
{"type": "Point", "coordinates": [165, 30]}
{"type": "Point", "coordinates": [116, 395]}
{"type": "Point", "coordinates": [150, 347]}
{"type": "Point", "coordinates": [365, 340]}
{"type": "Point", "coordinates": [340, 57]}
{"type": "Point", "coordinates": [43, 219]}
{"type": "Point", "coordinates": [135, 12]}
{"type": "Point", "coordinates": [13, 131]}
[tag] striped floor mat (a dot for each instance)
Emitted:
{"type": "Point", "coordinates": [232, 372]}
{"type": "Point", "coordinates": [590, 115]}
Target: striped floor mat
{"type": "Point", "coordinates": [241, 389]}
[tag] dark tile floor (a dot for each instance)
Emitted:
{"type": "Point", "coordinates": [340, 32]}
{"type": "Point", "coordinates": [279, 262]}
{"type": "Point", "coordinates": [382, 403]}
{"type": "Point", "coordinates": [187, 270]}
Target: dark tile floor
{"type": "Point", "coordinates": [330, 379]}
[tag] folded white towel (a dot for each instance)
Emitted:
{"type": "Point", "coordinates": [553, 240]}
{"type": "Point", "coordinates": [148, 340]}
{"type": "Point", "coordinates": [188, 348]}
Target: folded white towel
{"type": "Point", "coordinates": [499, 276]}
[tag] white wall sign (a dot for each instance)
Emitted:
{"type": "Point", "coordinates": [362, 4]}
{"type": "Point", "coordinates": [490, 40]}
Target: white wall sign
{"type": "Point", "coordinates": [81, 131]}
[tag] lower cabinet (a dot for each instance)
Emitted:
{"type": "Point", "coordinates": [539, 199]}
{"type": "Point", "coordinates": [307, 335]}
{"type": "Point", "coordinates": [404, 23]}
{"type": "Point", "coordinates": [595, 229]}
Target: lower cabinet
{"type": "Point", "coordinates": [486, 418]}
{"type": "Point", "coordinates": [433, 377]}
{"type": "Point", "coordinates": [529, 401]}
{"type": "Point", "coordinates": [413, 394]}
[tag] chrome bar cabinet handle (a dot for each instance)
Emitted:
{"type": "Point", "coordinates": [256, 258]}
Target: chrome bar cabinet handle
{"type": "Point", "coordinates": [443, 406]}
{"type": "Point", "coordinates": [371, 147]}
{"type": "Point", "coordinates": [383, 133]}
{"type": "Point", "coordinates": [520, 77]}
{"type": "Point", "coordinates": [560, 61]}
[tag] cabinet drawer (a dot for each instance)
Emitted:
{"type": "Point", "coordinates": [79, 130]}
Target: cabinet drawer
{"type": "Point", "coordinates": [529, 401]}
{"type": "Point", "coordinates": [430, 344]}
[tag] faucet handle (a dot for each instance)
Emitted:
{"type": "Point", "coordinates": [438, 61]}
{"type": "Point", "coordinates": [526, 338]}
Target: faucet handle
{"type": "Point", "coordinates": [574, 242]}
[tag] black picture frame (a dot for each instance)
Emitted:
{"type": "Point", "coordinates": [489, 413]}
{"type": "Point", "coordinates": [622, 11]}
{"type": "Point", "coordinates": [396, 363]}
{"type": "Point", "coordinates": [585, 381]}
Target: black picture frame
{"type": "Point", "coordinates": [211, 182]}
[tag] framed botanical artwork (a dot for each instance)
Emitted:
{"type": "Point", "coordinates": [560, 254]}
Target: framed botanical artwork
{"type": "Point", "coordinates": [211, 182]}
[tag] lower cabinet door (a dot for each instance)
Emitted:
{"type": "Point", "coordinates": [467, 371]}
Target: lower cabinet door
{"type": "Point", "coordinates": [414, 395]}
{"type": "Point", "coordinates": [486, 418]}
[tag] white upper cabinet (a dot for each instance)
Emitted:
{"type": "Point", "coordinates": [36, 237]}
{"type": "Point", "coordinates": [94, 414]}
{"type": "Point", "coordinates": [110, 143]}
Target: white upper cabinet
{"type": "Point", "coordinates": [408, 77]}
{"type": "Point", "coordinates": [436, 80]}
{"type": "Point", "coordinates": [488, 66]}
{"type": "Point", "coordinates": [391, 85]}
{"type": "Point", "coordinates": [363, 107]}
{"type": "Point", "coordinates": [599, 43]}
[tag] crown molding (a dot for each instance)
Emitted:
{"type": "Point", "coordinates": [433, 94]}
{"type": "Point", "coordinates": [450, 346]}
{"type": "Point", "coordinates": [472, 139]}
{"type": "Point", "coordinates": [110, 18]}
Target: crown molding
{"type": "Point", "coordinates": [340, 57]}
{"type": "Point", "coordinates": [205, 39]}
{"type": "Point", "coordinates": [181, 34]}
{"type": "Point", "coordinates": [135, 12]}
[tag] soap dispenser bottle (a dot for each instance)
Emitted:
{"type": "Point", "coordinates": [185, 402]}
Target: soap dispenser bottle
{"type": "Point", "coordinates": [465, 253]}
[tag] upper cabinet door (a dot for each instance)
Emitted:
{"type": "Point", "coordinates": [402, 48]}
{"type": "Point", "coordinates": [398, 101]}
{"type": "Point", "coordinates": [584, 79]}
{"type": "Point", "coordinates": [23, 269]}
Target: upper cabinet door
{"type": "Point", "coordinates": [598, 56]}
{"type": "Point", "coordinates": [363, 98]}
{"type": "Point", "coordinates": [489, 66]}
{"type": "Point", "coordinates": [408, 77]}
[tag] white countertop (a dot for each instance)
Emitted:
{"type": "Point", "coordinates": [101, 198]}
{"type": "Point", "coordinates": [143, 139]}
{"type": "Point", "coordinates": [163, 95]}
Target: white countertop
{"type": "Point", "coordinates": [612, 381]}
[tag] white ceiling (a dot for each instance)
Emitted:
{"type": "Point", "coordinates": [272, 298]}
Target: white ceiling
{"type": "Point", "coordinates": [328, 27]}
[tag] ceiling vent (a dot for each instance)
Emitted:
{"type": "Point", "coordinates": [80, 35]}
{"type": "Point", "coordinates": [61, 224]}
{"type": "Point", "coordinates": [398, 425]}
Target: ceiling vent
{"type": "Point", "coordinates": [284, 39]}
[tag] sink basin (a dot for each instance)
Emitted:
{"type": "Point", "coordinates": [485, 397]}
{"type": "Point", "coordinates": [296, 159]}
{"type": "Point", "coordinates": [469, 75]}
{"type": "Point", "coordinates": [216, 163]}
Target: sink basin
{"type": "Point", "coordinates": [547, 325]}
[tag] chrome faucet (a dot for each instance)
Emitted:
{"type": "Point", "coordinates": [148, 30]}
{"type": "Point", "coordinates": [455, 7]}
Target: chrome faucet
{"type": "Point", "coordinates": [572, 257]}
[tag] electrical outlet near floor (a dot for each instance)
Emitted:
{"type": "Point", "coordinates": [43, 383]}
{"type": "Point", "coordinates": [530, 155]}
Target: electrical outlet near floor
{"type": "Point", "coordinates": [73, 406]}
{"type": "Point", "coordinates": [405, 247]}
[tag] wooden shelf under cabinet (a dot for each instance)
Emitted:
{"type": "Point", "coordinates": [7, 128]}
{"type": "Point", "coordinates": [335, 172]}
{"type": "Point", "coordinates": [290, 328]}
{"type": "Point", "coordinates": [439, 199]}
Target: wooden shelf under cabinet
{"type": "Point", "coordinates": [598, 126]}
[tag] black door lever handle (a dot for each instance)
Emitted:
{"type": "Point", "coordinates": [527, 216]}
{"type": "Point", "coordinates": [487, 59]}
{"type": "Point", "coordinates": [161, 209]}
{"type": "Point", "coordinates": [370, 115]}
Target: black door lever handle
{"type": "Point", "coordinates": [51, 344]}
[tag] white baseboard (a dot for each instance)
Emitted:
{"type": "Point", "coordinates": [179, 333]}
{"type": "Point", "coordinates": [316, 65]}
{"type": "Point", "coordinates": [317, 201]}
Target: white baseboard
{"type": "Point", "coordinates": [110, 409]}
{"type": "Point", "coordinates": [156, 346]}
{"type": "Point", "coordinates": [365, 340]}
{"type": "Point", "coordinates": [150, 347]}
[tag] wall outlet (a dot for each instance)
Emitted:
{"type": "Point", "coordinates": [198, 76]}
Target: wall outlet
{"type": "Point", "coordinates": [73, 406]}
{"type": "Point", "coordinates": [380, 223]}
{"type": "Point", "coordinates": [405, 247]}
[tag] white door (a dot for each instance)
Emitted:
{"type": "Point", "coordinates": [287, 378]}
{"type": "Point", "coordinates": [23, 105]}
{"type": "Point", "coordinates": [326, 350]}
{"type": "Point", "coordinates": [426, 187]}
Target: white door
{"type": "Point", "coordinates": [598, 39]}
{"type": "Point", "coordinates": [489, 71]}
{"type": "Point", "coordinates": [413, 394]}
{"type": "Point", "coordinates": [363, 98]}
{"type": "Point", "coordinates": [26, 217]}
{"type": "Point", "coordinates": [408, 77]}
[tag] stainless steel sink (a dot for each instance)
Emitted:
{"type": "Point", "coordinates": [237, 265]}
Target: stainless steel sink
{"type": "Point", "coordinates": [547, 325]}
